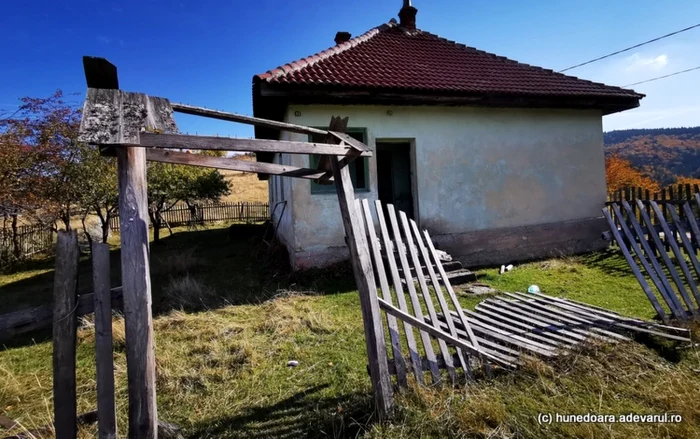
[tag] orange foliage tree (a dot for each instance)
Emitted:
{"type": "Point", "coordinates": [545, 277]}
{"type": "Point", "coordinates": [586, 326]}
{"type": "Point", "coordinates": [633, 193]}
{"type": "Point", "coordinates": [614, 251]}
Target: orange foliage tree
{"type": "Point", "coordinates": [620, 174]}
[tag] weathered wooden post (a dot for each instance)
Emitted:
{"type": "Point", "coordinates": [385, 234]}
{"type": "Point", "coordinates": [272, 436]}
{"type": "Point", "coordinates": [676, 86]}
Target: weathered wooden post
{"type": "Point", "coordinates": [106, 416]}
{"type": "Point", "coordinates": [64, 335]}
{"type": "Point", "coordinates": [366, 285]}
{"type": "Point", "coordinates": [114, 119]}
{"type": "Point", "coordinates": [136, 290]}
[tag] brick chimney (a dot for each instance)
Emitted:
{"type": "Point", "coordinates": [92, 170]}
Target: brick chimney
{"type": "Point", "coordinates": [407, 15]}
{"type": "Point", "coordinates": [342, 37]}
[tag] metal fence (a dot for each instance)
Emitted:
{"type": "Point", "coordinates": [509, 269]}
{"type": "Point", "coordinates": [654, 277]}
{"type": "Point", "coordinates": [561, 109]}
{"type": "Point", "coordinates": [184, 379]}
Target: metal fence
{"type": "Point", "coordinates": [182, 215]}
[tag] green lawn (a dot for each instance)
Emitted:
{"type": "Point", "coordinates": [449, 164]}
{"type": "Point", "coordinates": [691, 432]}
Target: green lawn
{"type": "Point", "coordinates": [221, 359]}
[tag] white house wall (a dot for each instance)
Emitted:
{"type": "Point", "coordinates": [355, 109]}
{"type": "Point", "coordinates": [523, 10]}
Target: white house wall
{"type": "Point", "coordinates": [475, 169]}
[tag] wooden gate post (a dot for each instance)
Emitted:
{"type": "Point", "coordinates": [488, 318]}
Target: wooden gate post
{"type": "Point", "coordinates": [366, 285]}
{"type": "Point", "coordinates": [136, 290]}
{"type": "Point", "coordinates": [64, 335]}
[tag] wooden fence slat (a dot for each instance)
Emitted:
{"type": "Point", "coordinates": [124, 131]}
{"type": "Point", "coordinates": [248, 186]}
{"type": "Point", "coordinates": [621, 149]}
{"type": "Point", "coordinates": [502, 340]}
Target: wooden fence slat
{"type": "Point", "coordinates": [106, 409]}
{"type": "Point", "coordinates": [386, 294]}
{"type": "Point", "coordinates": [530, 337]}
{"type": "Point", "coordinates": [65, 334]}
{"type": "Point", "coordinates": [656, 274]}
{"type": "Point", "coordinates": [686, 244]}
{"type": "Point", "coordinates": [417, 311]}
{"type": "Point", "coordinates": [462, 356]}
{"type": "Point", "coordinates": [681, 262]}
{"type": "Point", "coordinates": [695, 231]}
{"type": "Point", "coordinates": [388, 246]}
{"type": "Point", "coordinates": [635, 268]}
{"type": "Point", "coordinates": [446, 355]}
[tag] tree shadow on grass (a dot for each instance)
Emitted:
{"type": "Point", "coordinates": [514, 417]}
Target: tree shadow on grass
{"type": "Point", "coordinates": [301, 415]}
{"type": "Point", "coordinates": [232, 265]}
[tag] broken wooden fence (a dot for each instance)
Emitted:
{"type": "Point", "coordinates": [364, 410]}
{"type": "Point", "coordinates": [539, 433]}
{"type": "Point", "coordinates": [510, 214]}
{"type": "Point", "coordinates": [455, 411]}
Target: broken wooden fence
{"type": "Point", "coordinates": [435, 340]}
{"type": "Point", "coordinates": [660, 245]}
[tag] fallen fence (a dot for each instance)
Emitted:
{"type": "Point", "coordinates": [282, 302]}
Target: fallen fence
{"type": "Point", "coordinates": [183, 215]}
{"type": "Point", "coordinates": [657, 240]}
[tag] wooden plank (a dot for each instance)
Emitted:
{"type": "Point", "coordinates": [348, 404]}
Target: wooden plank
{"type": "Point", "coordinates": [501, 348]}
{"type": "Point", "coordinates": [136, 289]}
{"type": "Point", "coordinates": [38, 317]}
{"type": "Point", "coordinates": [233, 117]}
{"type": "Point", "coordinates": [486, 331]}
{"type": "Point", "coordinates": [565, 317]}
{"type": "Point", "coordinates": [693, 224]}
{"type": "Point", "coordinates": [688, 246]}
{"type": "Point", "coordinates": [463, 358]}
{"type": "Point", "coordinates": [106, 409]}
{"type": "Point", "coordinates": [354, 143]}
{"type": "Point", "coordinates": [681, 262]}
{"type": "Point", "coordinates": [400, 296]}
{"type": "Point", "coordinates": [633, 265]}
{"type": "Point", "coordinates": [183, 158]}
{"type": "Point", "coordinates": [417, 311]}
{"type": "Point", "coordinates": [656, 273]}
{"type": "Point", "coordinates": [386, 294]}
{"type": "Point", "coordinates": [628, 324]}
{"type": "Point", "coordinates": [516, 311]}
{"type": "Point", "coordinates": [185, 141]}
{"type": "Point", "coordinates": [529, 337]}
{"type": "Point", "coordinates": [499, 314]}
{"type": "Point", "coordinates": [426, 294]}
{"type": "Point", "coordinates": [115, 117]}
{"type": "Point", "coordinates": [364, 278]}
{"type": "Point", "coordinates": [439, 334]}
{"type": "Point", "coordinates": [65, 286]}
{"type": "Point", "coordinates": [100, 73]}
{"type": "Point", "coordinates": [450, 291]}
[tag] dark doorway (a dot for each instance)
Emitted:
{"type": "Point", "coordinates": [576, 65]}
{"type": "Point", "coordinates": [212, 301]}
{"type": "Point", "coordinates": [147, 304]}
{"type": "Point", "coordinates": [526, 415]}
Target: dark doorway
{"type": "Point", "coordinates": [394, 175]}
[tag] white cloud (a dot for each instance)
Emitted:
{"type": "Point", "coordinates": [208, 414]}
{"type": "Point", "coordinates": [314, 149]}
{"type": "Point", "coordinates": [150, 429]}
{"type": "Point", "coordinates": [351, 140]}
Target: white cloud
{"type": "Point", "coordinates": [638, 62]}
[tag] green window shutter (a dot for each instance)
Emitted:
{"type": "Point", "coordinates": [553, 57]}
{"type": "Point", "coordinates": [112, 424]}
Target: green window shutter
{"type": "Point", "coordinates": [359, 168]}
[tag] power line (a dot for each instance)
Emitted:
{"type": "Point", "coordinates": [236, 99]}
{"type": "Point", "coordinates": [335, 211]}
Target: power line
{"type": "Point", "coordinates": [630, 48]}
{"type": "Point", "coordinates": [662, 77]}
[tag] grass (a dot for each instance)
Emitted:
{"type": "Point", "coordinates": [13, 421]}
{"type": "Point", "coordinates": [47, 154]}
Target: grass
{"type": "Point", "coordinates": [221, 356]}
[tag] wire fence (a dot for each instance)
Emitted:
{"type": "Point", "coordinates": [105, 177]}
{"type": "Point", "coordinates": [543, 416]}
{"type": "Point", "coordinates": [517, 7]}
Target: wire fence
{"type": "Point", "coordinates": [183, 215]}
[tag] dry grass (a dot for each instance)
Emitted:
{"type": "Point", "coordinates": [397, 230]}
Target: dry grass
{"type": "Point", "coordinates": [176, 264]}
{"type": "Point", "coordinates": [188, 292]}
{"type": "Point", "coordinates": [245, 187]}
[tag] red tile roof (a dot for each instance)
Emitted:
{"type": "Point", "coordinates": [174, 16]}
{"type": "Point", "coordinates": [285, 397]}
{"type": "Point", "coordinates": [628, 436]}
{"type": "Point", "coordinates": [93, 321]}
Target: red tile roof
{"type": "Point", "coordinates": [392, 58]}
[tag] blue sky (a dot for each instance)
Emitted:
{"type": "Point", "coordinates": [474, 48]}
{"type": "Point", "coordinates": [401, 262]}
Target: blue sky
{"type": "Point", "coordinates": [205, 52]}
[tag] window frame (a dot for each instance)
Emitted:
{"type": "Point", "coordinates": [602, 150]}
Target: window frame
{"type": "Point", "coordinates": [319, 189]}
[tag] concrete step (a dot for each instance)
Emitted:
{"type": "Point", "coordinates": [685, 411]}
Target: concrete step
{"type": "Point", "coordinates": [457, 277]}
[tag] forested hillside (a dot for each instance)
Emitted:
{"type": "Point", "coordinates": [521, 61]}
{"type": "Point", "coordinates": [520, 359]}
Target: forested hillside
{"type": "Point", "coordinates": [664, 154]}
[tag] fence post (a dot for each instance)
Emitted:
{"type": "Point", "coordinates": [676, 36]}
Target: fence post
{"type": "Point", "coordinates": [65, 287]}
{"type": "Point", "coordinates": [106, 414]}
{"type": "Point", "coordinates": [136, 291]}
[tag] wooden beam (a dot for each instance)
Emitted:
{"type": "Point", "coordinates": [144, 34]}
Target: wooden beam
{"type": "Point", "coordinates": [183, 141]}
{"type": "Point", "coordinates": [100, 73]}
{"type": "Point", "coordinates": [136, 289]}
{"type": "Point", "coordinates": [233, 117]}
{"type": "Point", "coordinates": [364, 278]}
{"type": "Point", "coordinates": [183, 158]}
{"type": "Point", "coordinates": [115, 117]}
{"type": "Point", "coordinates": [354, 143]}
{"type": "Point", "coordinates": [106, 409]}
{"type": "Point", "coordinates": [64, 335]}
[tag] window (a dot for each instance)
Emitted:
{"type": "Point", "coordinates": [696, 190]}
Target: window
{"type": "Point", "coordinates": [359, 168]}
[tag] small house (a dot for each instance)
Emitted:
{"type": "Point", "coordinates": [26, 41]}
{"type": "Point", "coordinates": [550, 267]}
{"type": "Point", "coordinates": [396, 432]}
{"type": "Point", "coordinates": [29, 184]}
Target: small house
{"type": "Point", "coordinates": [500, 161]}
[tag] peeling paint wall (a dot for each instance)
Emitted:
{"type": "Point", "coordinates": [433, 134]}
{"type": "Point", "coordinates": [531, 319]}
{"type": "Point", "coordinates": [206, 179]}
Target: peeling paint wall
{"type": "Point", "coordinates": [475, 168]}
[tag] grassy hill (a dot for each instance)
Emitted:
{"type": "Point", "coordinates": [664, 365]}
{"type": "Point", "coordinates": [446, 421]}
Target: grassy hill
{"type": "Point", "coordinates": [664, 153]}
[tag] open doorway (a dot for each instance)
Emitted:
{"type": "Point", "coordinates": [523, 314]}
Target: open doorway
{"type": "Point", "coordinates": [394, 184]}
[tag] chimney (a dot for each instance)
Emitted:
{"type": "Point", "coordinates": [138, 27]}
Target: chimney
{"type": "Point", "coordinates": [342, 37]}
{"type": "Point", "coordinates": [407, 15]}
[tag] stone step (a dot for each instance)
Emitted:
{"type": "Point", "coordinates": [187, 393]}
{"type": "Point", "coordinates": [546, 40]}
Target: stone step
{"type": "Point", "coordinates": [457, 277]}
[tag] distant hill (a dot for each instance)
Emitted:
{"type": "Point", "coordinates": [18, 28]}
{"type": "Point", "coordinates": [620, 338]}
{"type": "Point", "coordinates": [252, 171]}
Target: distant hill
{"type": "Point", "coordinates": [662, 153]}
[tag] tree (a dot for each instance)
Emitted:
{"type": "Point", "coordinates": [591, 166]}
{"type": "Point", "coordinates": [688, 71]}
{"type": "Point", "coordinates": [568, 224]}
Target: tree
{"type": "Point", "coordinates": [620, 174]}
{"type": "Point", "coordinates": [169, 184]}
{"type": "Point", "coordinates": [100, 190]}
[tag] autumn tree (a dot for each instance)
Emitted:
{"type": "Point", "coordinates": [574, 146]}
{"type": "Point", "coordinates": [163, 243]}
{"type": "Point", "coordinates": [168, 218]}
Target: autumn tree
{"type": "Point", "coordinates": [619, 174]}
{"type": "Point", "coordinates": [170, 184]}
